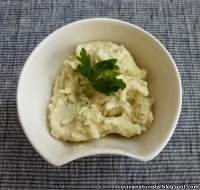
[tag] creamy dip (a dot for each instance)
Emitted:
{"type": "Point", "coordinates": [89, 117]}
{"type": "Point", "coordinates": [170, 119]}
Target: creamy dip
{"type": "Point", "coordinates": [77, 112]}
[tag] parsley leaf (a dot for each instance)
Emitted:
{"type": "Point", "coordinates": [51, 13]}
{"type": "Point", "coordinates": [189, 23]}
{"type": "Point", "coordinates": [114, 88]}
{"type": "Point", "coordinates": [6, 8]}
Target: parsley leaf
{"type": "Point", "coordinates": [102, 75]}
{"type": "Point", "coordinates": [85, 67]}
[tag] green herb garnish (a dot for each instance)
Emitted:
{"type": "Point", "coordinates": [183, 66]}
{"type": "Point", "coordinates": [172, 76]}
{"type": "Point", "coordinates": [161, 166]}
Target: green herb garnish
{"type": "Point", "coordinates": [102, 75]}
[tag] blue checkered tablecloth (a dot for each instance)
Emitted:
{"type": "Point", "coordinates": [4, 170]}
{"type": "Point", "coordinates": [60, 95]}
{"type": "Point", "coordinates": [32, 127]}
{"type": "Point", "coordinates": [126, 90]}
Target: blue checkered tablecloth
{"type": "Point", "coordinates": [24, 23]}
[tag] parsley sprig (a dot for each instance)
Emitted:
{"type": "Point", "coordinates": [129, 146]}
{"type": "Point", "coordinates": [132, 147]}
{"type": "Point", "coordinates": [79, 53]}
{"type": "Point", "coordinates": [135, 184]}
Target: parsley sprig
{"type": "Point", "coordinates": [102, 75]}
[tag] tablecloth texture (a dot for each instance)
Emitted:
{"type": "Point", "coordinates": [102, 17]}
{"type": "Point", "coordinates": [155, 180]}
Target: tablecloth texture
{"type": "Point", "coordinates": [24, 23]}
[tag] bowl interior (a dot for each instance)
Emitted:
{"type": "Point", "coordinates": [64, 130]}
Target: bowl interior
{"type": "Point", "coordinates": [43, 65]}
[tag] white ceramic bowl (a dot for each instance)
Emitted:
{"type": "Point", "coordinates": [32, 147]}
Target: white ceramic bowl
{"type": "Point", "coordinates": [44, 63]}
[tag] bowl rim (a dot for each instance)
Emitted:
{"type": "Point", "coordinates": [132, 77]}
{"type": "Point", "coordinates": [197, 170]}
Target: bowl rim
{"type": "Point", "coordinates": [100, 151]}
